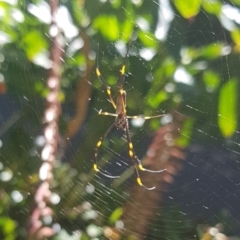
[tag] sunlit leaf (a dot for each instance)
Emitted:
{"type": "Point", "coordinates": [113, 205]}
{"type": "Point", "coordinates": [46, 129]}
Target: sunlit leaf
{"type": "Point", "coordinates": [7, 227]}
{"type": "Point", "coordinates": [235, 34]}
{"type": "Point", "coordinates": [212, 51]}
{"type": "Point", "coordinates": [78, 60]}
{"type": "Point", "coordinates": [116, 3]}
{"type": "Point", "coordinates": [212, 7]}
{"type": "Point", "coordinates": [211, 80]}
{"type": "Point", "coordinates": [148, 39]}
{"type": "Point", "coordinates": [127, 29]}
{"type": "Point", "coordinates": [227, 108]}
{"type": "Point", "coordinates": [34, 43]}
{"type": "Point", "coordinates": [237, 2]}
{"type": "Point", "coordinates": [108, 26]}
{"type": "Point", "coordinates": [188, 8]}
{"type": "Point", "coordinates": [156, 100]}
{"type": "Point", "coordinates": [117, 213]}
{"type": "Point", "coordinates": [169, 67]}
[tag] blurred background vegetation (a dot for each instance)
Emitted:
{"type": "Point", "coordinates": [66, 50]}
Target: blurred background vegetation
{"type": "Point", "coordinates": [184, 61]}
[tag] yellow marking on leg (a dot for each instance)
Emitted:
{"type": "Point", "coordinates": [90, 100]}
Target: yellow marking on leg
{"type": "Point", "coordinates": [141, 167]}
{"type": "Point", "coordinates": [98, 72]}
{"type": "Point", "coordinates": [123, 92]}
{"type": "Point", "coordinates": [139, 181]}
{"type": "Point", "coordinates": [99, 143]}
{"type": "Point", "coordinates": [130, 153]}
{"type": "Point", "coordinates": [104, 113]}
{"type": "Point", "coordinates": [110, 96]}
{"type": "Point", "coordinates": [123, 69]}
{"type": "Point", "coordinates": [95, 167]}
{"type": "Point", "coordinates": [108, 91]}
{"type": "Point", "coordinates": [130, 145]}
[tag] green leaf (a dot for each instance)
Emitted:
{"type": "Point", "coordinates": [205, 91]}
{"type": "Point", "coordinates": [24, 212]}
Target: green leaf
{"type": "Point", "coordinates": [155, 100]}
{"type": "Point", "coordinates": [116, 3]}
{"type": "Point", "coordinates": [127, 29]}
{"type": "Point", "coordinates": [117, 213]}
{"type": "Point", "coordinates": [237, 2]}
{"type": "Point", "coordinates": [34, 43]}
{"type": "Point", "coordinates": [235, 34]}
{"type": "Point", "coordinates": [148, 39]}
{"type": "Point", "coordinates": [212, 51]}
{"type": "Point", "coordinates": [188, 8]}
{"type": "Point", "coordinates": [211, 80]}
{"type": "Point", "coordinates": [7, 227]}
{"type": "Point", "coordinates": [227, 108]}
{"type": "Point", "coordinates": [78, 60]}
{"type": "Point", "coordinates": [169, 67]}
{"type": "Point", "coordinates": [212, 7]}
{"type": "Point", "coordinates": [108, 26]}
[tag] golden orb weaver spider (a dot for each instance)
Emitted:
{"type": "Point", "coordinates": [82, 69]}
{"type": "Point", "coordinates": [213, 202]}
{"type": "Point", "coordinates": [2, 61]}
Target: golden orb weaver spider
{"type": "Point", "coordinates": [121, 122]}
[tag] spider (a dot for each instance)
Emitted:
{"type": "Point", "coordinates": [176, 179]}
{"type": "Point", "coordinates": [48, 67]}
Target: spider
{"type": "Point", "coordinates": [121, 122]}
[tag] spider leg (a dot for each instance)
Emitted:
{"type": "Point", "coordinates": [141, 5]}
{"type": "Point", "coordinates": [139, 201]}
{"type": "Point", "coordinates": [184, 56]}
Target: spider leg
{"type": "Point", "coordinates": [108, 90]}
{"type": "Point", "coordinates": [123, 69]}
{"type": "Point", "coordinates": [134, 117]}
{"type": "Point", "coordinates": [139, 181]}
{"type": "Point", "coordinates": [146, 117]}
{"type": "Point", "coordinates": [136, 162]}
{"type": "Point", "coordinates": [99, 143]}
{"type": "Point", "coordinates": [107, 114]}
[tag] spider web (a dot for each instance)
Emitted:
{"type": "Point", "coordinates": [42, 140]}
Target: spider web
{"type": "Point", "coordinates": [205, 189]}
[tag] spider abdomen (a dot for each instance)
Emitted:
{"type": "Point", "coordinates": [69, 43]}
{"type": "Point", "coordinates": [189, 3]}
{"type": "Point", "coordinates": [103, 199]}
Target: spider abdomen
{"type": "Point", "coordinates": [121, 121]}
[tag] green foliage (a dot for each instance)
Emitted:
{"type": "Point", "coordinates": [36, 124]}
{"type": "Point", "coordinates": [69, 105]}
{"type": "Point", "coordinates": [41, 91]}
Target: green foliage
{"type": "Point", "coordinates": [211, 80]}
{"type": "Point", "coordinates": [201, 45]}
{"type": "Point", "coordinates": [212, 7]}
{"type": "Point", "coordinates": [235, 34]}
{"type": "Point", "coordinates": [7, 228]}
{"type": "Point", "coordinates": [236, 2]}
{"type": "Point", "coordinates": [212, 51]}
{"type": "Point", "coordinates": [188, 8]}
{"type": "Point", "coordinates": [34, 43]}
{"type": "Point", "coordinates": [148, 39]}
{"type": "Point", "coordinates": [227, 107]}
{"type": "Point", "coordinates": [117, 213]}
{"type": "Point", "coordinates": [112, 31]}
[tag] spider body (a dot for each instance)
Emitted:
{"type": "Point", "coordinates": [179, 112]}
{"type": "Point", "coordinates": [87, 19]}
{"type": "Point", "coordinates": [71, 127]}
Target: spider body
{"type": "Point", "coordinates": [121, 123]}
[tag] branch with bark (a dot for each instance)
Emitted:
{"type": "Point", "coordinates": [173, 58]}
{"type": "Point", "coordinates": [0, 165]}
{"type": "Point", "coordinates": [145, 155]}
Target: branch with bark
{"type": "Point", "coordinates": [42, 209]}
